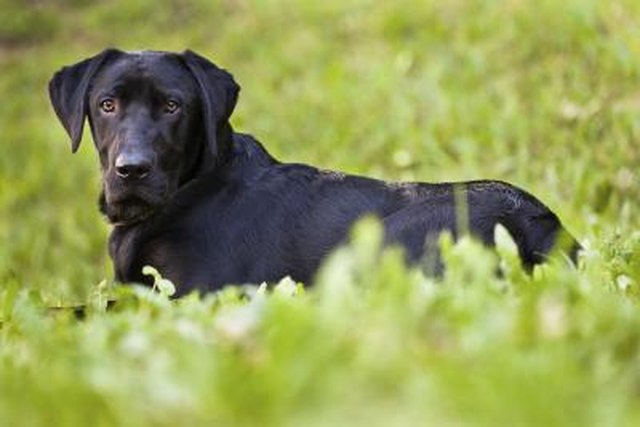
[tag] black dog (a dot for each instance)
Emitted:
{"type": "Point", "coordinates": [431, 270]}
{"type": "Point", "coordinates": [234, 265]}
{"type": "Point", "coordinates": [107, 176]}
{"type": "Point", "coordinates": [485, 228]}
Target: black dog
{"type": "Point", "coordinates": [207, 206]}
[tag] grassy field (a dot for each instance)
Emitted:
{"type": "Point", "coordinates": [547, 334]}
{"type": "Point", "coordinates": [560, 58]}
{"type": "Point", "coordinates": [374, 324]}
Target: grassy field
{"type": "Point", "coordinates": [542, 94]}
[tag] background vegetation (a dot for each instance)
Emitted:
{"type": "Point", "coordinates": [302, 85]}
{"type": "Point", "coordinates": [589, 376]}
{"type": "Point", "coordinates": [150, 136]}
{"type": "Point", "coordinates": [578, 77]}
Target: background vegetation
{"type": "Point", "coordinates": [543, 94]}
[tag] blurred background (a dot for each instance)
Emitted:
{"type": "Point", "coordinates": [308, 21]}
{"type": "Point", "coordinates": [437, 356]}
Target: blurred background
{"type": "Point", "coordinates": [543, 94]}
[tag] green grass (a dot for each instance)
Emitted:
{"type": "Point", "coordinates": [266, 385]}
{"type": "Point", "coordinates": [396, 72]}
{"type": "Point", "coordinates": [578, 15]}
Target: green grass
{"type": "Point", "coordinates": [542, 94]}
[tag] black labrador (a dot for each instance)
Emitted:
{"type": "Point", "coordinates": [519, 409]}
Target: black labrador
{"type": "Point", "coordinates": [208, 206]}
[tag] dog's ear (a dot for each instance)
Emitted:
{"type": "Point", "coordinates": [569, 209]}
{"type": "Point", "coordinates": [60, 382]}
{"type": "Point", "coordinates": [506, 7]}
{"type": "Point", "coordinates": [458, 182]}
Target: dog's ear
{"type": "Point", "coordinates": [68, 93]}
{"type": "Point", "coordinates": [218, 93]}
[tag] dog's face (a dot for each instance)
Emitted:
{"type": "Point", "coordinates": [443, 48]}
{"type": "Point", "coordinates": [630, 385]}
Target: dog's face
{"type": "Point", "coordinates": [157, 119]}
{"type": "Point", "coordinates": [145, 117]}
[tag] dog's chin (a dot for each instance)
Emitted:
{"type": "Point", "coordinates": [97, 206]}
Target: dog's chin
{"type": "Point", "coordinates": [130, 211]}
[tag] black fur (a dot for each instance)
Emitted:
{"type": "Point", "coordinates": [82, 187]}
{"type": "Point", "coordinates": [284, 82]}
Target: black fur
{"type": "Point", "coordinates": [212, 207]}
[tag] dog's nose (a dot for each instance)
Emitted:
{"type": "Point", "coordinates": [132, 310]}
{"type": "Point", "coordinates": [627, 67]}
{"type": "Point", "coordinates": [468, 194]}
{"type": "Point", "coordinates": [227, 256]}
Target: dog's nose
{"type": "Point", "coordinates": [132, 166]}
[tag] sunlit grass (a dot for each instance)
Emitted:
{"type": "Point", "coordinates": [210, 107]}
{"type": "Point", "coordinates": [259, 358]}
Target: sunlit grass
{"type": "Point", "coordinates": [541, 94]}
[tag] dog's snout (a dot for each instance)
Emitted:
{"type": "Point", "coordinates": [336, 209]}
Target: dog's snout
{"type": "Point", "coordinates": [132, 166]}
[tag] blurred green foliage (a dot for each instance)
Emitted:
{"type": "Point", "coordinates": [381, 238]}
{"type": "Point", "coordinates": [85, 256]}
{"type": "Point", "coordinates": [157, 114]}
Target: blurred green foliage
{"type": "Point", "coordinates": [543, 94]}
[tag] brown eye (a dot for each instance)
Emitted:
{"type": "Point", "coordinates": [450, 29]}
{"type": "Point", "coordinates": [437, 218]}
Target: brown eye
{"type": "Point", "coordinates": [171, 106]}
{"type": "Point", "coordinates": [108, 105]}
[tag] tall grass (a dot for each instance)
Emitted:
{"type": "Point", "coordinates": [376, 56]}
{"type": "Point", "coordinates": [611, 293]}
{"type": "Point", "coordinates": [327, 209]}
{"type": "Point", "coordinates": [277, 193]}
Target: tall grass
{"type": "Point", "coordinates": [542, 94]}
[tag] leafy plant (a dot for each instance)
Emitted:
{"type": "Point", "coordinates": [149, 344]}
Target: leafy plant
{"type": "Point", "coordinates": [541, 94]}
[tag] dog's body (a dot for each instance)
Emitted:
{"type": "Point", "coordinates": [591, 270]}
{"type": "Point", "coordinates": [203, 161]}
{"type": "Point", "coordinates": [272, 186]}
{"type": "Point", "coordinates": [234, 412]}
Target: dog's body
{"type": "Point", "coordinates": [207, 206]}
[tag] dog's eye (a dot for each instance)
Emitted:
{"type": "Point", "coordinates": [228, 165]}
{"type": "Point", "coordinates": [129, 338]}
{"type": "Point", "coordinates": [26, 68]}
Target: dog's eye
{"type": "Point", "coordinates": [171, 106]}
{"type": "Point", "coordinates": [108, 105]}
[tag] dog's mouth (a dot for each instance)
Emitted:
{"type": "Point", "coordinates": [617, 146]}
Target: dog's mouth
{"type": "Point", "coordinates": [129, 209]}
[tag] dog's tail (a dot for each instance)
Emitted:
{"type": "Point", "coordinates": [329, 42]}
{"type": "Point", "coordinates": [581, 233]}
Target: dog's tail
{"type": "Point", "coordinates": [536, 230]}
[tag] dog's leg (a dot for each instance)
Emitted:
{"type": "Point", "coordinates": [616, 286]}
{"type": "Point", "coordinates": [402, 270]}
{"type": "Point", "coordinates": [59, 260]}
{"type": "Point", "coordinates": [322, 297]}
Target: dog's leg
{"type": "Point", "coordinates": [536, 230]}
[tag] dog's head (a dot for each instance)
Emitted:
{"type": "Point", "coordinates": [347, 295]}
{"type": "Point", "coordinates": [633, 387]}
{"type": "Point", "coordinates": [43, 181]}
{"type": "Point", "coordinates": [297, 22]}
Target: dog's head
{"type": "Point", "coordinates": [157, 120]}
